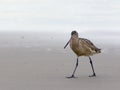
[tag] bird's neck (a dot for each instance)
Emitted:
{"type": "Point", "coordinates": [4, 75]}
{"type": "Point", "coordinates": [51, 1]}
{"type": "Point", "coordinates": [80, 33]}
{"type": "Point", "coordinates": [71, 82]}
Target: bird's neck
{"type": "Point", "coordinates": [74, 37]}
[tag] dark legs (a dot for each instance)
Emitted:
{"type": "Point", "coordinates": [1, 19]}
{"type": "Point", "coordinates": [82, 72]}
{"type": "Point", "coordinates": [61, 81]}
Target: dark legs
{"type": "Point", "coordinates": [74, 70]}
{"type": "Point", "coordinates": [93, 75]}
{"type": "Point", "coordinates": [92, 68]}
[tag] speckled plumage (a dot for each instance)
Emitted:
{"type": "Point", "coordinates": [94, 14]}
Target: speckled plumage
{"type": "Point", "coordinates": [82, 47]}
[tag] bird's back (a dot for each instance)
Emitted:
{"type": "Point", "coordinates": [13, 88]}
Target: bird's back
{"type": "Point", "coordinates": [83, 47]}
{"type": "Point", "coordinates": [90, 45]}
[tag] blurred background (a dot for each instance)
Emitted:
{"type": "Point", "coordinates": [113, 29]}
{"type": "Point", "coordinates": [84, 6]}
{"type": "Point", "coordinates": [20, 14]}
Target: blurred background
{"type": "Point", "coordinates": [53, 20]}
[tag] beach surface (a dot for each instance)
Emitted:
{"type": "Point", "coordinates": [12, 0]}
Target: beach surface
{"type": "Point", "coordinates": [33, 62]}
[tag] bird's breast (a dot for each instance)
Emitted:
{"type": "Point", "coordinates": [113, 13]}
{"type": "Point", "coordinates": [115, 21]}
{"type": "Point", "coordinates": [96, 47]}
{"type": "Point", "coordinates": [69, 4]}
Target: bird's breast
{"type": "Point", "coordinates": [74, 43]}
{"type": "Point", "coordinates": [75, 46]}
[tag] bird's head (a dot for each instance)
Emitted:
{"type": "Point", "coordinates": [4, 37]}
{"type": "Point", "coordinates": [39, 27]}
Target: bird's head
{"type": "Point", "coordinates": [74, 33]}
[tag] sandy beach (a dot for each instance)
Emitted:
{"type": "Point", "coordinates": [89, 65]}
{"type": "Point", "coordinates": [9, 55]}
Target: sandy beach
{"type": "Point", "coordinates": [44, 67]}
{"type": "Point", "coordinates": [33, 34]}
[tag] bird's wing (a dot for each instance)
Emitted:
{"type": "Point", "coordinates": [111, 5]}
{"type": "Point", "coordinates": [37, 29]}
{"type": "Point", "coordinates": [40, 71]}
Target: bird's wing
{"type": "Point", "coordinates": [89, 44]}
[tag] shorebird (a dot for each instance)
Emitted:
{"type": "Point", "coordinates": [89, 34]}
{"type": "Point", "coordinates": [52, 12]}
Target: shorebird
{"type": "Point", "coordinates": [82, 47]}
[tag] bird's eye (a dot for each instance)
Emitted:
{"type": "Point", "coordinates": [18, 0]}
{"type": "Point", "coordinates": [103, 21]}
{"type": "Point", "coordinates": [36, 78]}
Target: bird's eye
{"type": "Point", "coordinates": [73, 32]}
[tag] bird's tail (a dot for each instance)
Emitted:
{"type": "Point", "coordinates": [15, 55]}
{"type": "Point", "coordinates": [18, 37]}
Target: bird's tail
{"type": "Point", "coordinates": [98, 50]}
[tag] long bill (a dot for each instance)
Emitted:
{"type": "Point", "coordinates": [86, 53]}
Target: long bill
{"type": "Point", "coordinates": [66, 44]}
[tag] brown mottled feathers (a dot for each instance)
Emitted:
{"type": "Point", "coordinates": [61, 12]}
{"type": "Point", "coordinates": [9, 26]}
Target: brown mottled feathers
{"type": "Point", "coordinates": [90, 45]}
{"type": "Point", "coordinates": [83, 47]}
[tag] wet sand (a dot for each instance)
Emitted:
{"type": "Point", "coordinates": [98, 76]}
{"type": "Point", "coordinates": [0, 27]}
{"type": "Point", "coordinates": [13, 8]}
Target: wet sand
{"type": "Point", "coordinates": [45, 68]}
{"type": "Point", "coordinates": [42, 69]}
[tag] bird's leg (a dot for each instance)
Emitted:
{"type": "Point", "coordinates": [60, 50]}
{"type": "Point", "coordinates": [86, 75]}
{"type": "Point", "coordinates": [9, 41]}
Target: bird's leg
{"type": "Point", "coordinates": [74, 70]}
{"type": "Point", "coordinates": [92, 68]}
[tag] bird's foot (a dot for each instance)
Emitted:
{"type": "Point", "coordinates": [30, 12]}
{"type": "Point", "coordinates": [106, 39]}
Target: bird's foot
{"type": "Point", "coordinates": [94, 75]}
{"type": "Point", "coordinates": [71, 77]}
